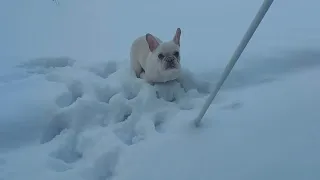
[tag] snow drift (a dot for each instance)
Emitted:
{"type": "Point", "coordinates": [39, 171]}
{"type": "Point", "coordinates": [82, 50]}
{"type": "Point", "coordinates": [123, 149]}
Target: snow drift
{"type": "Point", "coordinates": [100, 122]}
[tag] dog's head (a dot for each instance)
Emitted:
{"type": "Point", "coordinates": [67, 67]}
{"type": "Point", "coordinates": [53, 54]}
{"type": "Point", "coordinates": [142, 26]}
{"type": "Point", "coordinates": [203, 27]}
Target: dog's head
{"type": "Point", "coordinates": [165, 55]}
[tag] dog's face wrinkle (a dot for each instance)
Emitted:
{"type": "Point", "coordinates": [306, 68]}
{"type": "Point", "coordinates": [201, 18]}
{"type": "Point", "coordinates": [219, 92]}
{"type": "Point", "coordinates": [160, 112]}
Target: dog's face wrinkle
{"type": "Point", "coordinates": [169, 61]}
{"type": "Point", "coordinates": [168, 56]}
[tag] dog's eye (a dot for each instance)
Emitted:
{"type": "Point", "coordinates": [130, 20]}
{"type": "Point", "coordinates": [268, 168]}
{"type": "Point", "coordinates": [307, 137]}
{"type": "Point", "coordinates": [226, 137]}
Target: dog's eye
{"type": "Point", "coordinates": [161, 56]}
{"type": "Point", "coordinates": [176, 54]}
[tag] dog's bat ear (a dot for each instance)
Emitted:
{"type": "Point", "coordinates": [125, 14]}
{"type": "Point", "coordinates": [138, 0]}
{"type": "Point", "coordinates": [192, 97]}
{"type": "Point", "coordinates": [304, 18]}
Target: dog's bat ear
{"type": "Point", "coordinates": [176, 38]}
{"type": "Point", "coordinates": [152, 42]}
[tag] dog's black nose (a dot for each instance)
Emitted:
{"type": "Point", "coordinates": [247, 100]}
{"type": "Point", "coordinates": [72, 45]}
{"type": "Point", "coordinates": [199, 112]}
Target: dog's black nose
{"type": "Point", "coordinates": [169, 59]}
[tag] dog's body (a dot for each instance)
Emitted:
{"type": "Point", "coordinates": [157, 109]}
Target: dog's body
{"type": "Point", "coordinates": [154, 60]}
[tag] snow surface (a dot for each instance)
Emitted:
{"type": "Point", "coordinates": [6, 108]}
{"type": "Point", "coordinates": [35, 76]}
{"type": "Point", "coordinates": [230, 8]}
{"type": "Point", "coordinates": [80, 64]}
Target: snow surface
{"type": "Point", "coordinates": [71, 108]}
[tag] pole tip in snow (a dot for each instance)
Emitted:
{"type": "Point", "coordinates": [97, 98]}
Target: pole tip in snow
{"type": "Point", "coordinates": [197, 122]}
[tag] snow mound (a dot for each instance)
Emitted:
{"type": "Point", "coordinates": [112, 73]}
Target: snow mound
{"type": "Point", "coordinates": [100, 122]}
{"type": "Point", "coordinates": [106, 96]}
{"type": "Point", "coordinates": [96, 112]}
{"type": "Point", "coordinates": [44, 64]}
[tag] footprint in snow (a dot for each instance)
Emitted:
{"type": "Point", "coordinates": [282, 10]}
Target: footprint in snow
{"type": "Point", "coordinates": [121, 112]}
{"type": "Point", "coordinates": [82, 114]}
{"type": "Point", "coordinates": [56, 125]}
{"type": "Point", "coordinates": [58, 165]}
{"type": "Point", "coordinates": [75, 91]}
{"type": "Point", "coordinates": [104, 168]}
{"type": "Point", "coordinates": [105, 70]}
{"type": "Point", "coordinates": [130, 90]}
{"type": "Point", "coordinates": [159, 119]}
{"type": "Point", "coordinates": [169, 91]}
{"type": "Point", "coordinates": [104, 94]}
{"type": "Point", "coordinates": [233, 106]}
{"type": "Point", "coordinates": [67, 151]}
{"type": "Point", "coordinates": [125, 129]}
{"type": "Point", "coordinates": [44, 65]}
{"type": "Point", "coordinates": [126, 134]}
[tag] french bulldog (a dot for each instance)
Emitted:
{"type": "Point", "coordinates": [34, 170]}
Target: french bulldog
{"type": "Point", "coordinates": [156, 61]}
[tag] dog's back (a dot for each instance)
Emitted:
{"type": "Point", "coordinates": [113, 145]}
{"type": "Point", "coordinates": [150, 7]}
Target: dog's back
{"type": "Point", "coordinates": [139, 54]}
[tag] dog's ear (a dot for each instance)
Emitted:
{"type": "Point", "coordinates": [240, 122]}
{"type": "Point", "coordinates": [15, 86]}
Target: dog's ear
{"type": "Point", "coordinates": [152, 42]}
{"type": "Point", "coordinates": [176, 38]}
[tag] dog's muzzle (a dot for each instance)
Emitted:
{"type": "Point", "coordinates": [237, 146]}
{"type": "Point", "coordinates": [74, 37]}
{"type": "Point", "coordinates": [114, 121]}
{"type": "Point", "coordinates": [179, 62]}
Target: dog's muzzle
{"type": "Point", "coordinates": [169, 59]}
{"type": "Point", "coordinates": [170, 62]}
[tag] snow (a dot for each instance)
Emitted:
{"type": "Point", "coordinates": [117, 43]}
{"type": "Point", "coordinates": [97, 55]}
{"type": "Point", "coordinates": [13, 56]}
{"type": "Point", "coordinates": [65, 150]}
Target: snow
{"type": "Point", "coordinates": [72, 109]}
{"type": "Point", "coordinates": [262, 138]}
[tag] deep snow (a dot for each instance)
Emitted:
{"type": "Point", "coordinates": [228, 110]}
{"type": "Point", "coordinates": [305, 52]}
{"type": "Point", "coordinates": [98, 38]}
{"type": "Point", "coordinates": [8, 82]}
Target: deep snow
{"type": "Point", "coordinates": [87, 117]}
{"type": "Point", "coordinates": [82, 125]}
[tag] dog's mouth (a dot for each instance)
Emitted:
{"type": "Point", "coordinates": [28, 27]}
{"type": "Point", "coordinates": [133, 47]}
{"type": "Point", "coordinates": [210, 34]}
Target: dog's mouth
{"type": "Point", "coordinates": [171, 65]}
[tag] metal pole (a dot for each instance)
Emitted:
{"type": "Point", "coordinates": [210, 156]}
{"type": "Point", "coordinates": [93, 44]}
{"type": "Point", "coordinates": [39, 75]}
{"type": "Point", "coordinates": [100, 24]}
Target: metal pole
{"type": "Point", "coordinates": [246, 38]}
